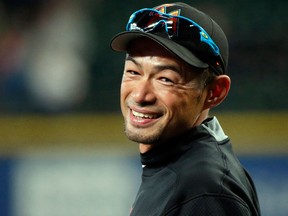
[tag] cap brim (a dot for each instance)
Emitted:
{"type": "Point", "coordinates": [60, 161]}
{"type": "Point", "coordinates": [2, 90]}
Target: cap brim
{"type": "Point", "coordinates": [121, 41]}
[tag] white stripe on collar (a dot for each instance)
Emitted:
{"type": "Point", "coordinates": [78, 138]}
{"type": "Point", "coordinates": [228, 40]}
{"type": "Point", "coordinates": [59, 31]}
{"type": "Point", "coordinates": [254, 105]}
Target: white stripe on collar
{"type": "Point", "coordinates": [214, 128]}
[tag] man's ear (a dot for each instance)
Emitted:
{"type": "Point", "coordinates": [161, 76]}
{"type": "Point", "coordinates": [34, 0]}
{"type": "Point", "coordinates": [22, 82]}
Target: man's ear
{"type": "Point", "coordinates": [217, 91]}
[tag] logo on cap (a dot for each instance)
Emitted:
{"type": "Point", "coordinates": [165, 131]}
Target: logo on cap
{"type": "Point", "coordinates": [163, 9]}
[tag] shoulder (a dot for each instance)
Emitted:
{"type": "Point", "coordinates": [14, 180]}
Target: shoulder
{"type": "Point", "coordinates": [200, 174]}
{"type": "Point", "coordinates": [203, 168]}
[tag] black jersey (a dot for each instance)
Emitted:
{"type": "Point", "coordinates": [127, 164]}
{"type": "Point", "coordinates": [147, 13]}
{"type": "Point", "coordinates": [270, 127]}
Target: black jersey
{"type": "Point", "coordinates": [196, 174]}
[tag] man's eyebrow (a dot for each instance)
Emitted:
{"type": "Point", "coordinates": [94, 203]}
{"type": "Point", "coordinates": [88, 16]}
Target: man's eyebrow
{"type": "Point", "coordinates": [168, 67]}
{"type": "Point", "coordinates": [157, 67]}
{"type": "Point", "coordinates": [130, 58]}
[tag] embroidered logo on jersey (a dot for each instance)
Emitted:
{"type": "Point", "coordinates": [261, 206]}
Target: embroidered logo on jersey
{"type": "Point", "coordinates": [163, 9]}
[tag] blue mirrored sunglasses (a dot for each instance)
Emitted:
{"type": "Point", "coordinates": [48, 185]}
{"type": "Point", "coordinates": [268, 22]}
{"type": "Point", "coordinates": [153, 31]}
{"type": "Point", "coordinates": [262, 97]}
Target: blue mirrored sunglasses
{"type": "Point", "coordinates": [178, 28]}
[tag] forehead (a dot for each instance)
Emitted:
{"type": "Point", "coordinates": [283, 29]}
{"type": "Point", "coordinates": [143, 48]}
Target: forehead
{"type": "Point", "coordinates": [145, 47]}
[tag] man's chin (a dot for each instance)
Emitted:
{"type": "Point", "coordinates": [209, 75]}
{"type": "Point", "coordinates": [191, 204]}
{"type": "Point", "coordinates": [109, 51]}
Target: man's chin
{"type": "Point", "coordinates": [142, 137]}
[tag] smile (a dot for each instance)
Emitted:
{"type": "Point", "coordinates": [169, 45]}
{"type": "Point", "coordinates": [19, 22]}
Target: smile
{"type": "Point", "coordinates": [144, 115]}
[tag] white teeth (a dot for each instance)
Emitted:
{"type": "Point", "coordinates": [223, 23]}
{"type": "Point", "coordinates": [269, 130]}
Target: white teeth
{"type": "Point", "coordinates": [142, 115]}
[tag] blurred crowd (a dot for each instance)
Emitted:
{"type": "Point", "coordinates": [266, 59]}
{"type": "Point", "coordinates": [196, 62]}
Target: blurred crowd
{"type": "Point", "coordinates": [55, 55]}
{"type": "Point", "coordinates": [43, 50]}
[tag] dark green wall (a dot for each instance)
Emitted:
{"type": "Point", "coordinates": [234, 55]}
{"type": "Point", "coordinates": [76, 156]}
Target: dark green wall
{"type": "Point", "coordinates": [257, 32]}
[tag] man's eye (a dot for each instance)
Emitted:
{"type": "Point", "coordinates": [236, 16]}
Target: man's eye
{"type": "Point", "coordinates": [166, 80]}
{"type": "Point", "coordinates": [131, 72]}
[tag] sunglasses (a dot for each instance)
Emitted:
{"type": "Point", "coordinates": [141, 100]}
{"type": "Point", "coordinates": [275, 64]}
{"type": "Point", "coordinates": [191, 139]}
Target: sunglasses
{"type": "Point", "coordinates": [178, 28]}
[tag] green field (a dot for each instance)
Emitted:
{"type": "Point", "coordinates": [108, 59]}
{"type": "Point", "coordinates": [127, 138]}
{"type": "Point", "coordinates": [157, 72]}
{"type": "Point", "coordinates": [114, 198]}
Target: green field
{"type": "Point", "coordinates": [251, 133]}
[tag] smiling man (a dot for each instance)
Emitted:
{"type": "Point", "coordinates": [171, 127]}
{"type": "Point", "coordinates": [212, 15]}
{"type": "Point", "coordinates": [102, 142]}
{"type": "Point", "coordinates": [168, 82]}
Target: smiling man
{"type": "Point", "coordinates": [174, 73]}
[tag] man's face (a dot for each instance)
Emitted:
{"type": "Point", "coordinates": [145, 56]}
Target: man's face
{"type": "Point", "coordinates": [161, 96]}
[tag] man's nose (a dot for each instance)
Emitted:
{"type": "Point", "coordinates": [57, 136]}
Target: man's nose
{"type": "Point", "coordinates": [144, 93]}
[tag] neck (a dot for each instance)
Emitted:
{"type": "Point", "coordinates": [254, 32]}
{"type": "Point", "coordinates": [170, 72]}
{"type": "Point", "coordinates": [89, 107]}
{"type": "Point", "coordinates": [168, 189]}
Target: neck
{"type": "Point", "coordinates": [144, 148]}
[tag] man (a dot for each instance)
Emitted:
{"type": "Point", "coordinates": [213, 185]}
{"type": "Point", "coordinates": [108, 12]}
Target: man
{"type": "Point", "coordinates": [175, 71]}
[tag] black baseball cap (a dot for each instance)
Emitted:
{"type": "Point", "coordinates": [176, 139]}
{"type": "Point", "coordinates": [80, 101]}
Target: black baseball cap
{"type": "Point", "coordinates": [185, 50]}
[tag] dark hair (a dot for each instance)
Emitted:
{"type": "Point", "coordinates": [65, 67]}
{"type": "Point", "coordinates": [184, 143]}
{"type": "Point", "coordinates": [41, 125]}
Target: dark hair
{"type": "Point", "coordinates": [205, 77]}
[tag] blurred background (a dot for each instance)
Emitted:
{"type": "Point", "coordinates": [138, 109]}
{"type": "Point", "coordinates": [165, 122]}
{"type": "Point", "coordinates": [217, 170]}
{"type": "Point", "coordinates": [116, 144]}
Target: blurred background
{"type": "Point", "coordinates": [62, 148]}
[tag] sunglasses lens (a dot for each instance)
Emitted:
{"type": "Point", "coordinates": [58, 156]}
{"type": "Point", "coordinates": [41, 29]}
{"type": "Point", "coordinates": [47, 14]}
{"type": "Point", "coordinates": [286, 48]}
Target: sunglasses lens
{"type": "Point", "coordinates": [178, 28]}
{"type": "Point", "coordinates": [144, 20]}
